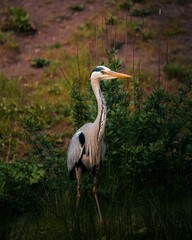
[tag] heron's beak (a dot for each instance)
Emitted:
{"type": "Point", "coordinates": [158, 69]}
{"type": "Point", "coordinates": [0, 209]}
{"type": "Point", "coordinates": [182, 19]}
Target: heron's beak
{"type": "Point", "coordinates": [117, 75]}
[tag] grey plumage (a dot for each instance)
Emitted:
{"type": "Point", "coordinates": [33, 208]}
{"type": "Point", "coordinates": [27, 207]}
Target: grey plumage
{"type": "Point", "coordinates": [87, 146]}
{"type": "Point", "coordinates": [91, 153]}
{"type": "Point", "coordinates": [93, 150]}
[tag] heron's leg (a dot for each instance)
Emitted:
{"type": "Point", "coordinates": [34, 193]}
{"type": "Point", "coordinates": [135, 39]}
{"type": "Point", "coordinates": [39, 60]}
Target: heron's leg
{"type": "Point", "coordinates": [78, 176]}
{"type": "Point", "coordinates": [96, 198]}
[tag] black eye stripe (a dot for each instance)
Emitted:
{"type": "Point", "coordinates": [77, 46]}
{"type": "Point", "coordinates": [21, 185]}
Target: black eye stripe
{"type": "Point", "coordinates": [97, 69]}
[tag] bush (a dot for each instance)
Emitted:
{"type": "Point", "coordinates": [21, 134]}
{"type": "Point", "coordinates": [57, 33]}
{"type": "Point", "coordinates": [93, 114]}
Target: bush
{"type": "Point", "coordinates": [77, 7]}
{"type": "Point", "coordinates": [38, 174]}
{"type": "Point", "coordinates": [177, 71]}
{"type": "Point", "coordinates": [17, 20]}
{"type": "Point", "coordinates": [39, 62]}
{"type": "Point", "coordinates": [142, 12]}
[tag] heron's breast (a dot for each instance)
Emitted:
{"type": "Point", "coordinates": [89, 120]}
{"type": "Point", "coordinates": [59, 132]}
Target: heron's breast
{"type": "Point", "coordinates": [91, 156]}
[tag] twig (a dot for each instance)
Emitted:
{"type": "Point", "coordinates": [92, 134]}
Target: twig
{"type": "Point", "coordinates": [167, 61]}
{"type": "Point", "coordinates": [78, 65]}
{"type": "Point", "coordinates": [96, 39]}
{"type": "Point", "coordinates": [9, 150]}
{"type": "Point", "coordinates": [64, 76]}
{"type": "Point", "coordinates": [159, 50]}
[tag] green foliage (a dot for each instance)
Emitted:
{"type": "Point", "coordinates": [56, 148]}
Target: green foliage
{"type": "Point", "coordinates": [79, 107]}
{"type": "Point", "coordinates": [13, 111]}
{"type": "Point", "coordinates": [117, 105]}
{"type": "Point", "coordinates": [140, 12]}
{"type": "Point", "coordinates": [77, 7]}
{"type": "Point", "coordinates": [148, 35]}
{"type": "Point", "coordinates": [177, 71]}
{"type": "Point", "coordinates": [8, 41]}
{"type": "Point", "coordinates": [17, 20]}
{"type": "Point", "coordinates": [174, 28]}
{"type": "Point", "coordinates": [112, 20]}
{"type": "Point", "coordinates": [128, 4]}
{"type": "Point", "coordinates": [159, 127]}
{"type": "Point", "coordinates": [39, 173]}
{"type": "Point", "coordinates": [11, 97]}
{"type": "Point", "coordinates": [87, 31]}
{"type": "Point", "coordinates": [10, 89]}
{"type": "Point", "coordinates": [144, 185]}
{"type": "Point", "coordinates": [134, 27]}
{"type": "Point", "coordinates": [56, 45]}
{"type": "Point", "coordinates": [39, 62]}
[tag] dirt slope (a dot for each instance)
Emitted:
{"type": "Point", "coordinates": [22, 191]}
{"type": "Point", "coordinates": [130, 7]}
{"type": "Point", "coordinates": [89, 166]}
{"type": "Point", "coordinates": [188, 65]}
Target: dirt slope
{"type": "Point", "coordinates": [55, 21]}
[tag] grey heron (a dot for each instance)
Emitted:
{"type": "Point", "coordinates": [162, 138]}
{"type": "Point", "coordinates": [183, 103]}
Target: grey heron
{"type": "Point", "coordinates": [87, 146]}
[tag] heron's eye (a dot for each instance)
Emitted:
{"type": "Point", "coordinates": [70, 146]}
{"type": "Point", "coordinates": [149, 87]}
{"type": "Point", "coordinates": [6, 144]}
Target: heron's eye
{"type": "Point", "coordinates": [102, 71]}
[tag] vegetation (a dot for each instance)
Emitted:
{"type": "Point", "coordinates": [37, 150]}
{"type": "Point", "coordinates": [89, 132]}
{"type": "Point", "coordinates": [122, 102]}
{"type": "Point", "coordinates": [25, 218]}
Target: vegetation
{"type": "Point", "coordinates": [178, 71]}
{"type": "Point", "coordinates": [17, 20]}
{"type": "Point", "coordinates": [77, 7]}
{"type": "Point", "coordinates": [13, 112]}
{"type": "Point", "coordinates": [144, 183]}
{"type": "Point", "coordinates": [174, 28]}
{"type": "Point", "coordinates": [8, 41]}
{"type": "Point", "coordinates": [39, 62]}
{"type": "Point", "coordinates": [140, 12]}
{"type": "Point", "coordinates": [111, 20]}
{"type": "Point", "coordinates": [145, 180]}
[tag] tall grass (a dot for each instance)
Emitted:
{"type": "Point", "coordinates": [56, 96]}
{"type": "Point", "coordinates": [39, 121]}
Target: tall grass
{"type": "Point", "coordinates": [144, 214]}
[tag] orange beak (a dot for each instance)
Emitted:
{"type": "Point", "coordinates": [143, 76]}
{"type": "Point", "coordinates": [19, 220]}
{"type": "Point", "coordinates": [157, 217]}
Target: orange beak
{"type": "Point", "coordinates": [117, 75]}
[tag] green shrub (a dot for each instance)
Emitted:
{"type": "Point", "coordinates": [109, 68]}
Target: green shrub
{"type": "Point", "coordinates": [17, 20]}
{"type": "Point", "coordinates": [143, 12]}
{"type": "Point", "coordinates": [39, 173]}
{"type": "Point", "coordinates": [128, 4]}
{"type": "Point", "coordinates": [77, 7]}
{"type": "Point", "coordinates": [39, 62]}
{"type": "Point", "coordinates": [79, 107]}
{"type": "Point", "coordinates": [177, 71]}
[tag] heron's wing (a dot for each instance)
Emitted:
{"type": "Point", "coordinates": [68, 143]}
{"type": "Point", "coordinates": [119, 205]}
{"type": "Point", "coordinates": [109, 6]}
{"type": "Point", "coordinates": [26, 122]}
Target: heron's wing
{"type": "Point", "coordinates": [75, 150]}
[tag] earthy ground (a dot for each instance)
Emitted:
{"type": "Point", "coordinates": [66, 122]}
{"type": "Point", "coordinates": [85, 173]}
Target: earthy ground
{"type": "Point", "coordinates": [55, 22]}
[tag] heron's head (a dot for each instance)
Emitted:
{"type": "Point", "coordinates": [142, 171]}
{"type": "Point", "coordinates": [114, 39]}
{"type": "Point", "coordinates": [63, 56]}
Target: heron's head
{"type": "Point", "coordinates": [100, 73]}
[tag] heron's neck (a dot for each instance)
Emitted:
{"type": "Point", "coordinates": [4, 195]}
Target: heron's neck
{"type": "Point", "coordinates": [102, 109]}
